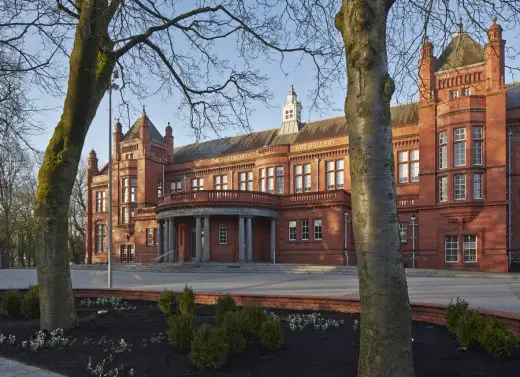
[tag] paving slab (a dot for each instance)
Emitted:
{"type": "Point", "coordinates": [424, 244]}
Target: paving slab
{"type": "Point", "coordinates": [494, 294]}
{"type": "Point", "coordinates": [11, 368]}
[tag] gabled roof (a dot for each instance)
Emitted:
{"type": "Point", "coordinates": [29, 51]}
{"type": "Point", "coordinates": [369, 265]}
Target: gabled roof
{"type": "Point", "coordinates": [461, 51]}
{"type": "Point", "coordinates": [133, 132]}
{"type": "Point", "coordinates": [315, 130]}
{"type": "Point", "coordinates": [513, 95]}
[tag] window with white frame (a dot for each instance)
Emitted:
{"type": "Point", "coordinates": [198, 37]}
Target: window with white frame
{"type": "Point", "coordinates": [443, 150]}
{"type": "Point", "coordinates": [124, 215]}
{"type": "Point", "coordinates": [451, 249]}
{"type": "Point", "coordinates": [335, 174]}
{"type": "Point", "coordinates": [245, 181]}
{"type": "Point", "coordinates": [317, 229]}
{"type": "Point", "coordinates": [149, 236]}
{"type": "Point", "coordinates": [478, 137]}
{"type": "Point", "coordinates": [159, 189]}
{"type": "Point", "coordinates": [443, 189]}
{"type": "Point", "coordinates": [101, 231]}
{"type": "Point", "coordinates": [124, 190]}
{"type": "Point", "coordinates": [459, 186]}
{"type": "Point", "coordinates": [197, 184]}
{"type": "Point", "coordinates": [454, 93]}
{"type": "Point", "coordinates": [220, 182]}
{"type": "Point", "coordinates": [292, 230]}
{"type": "Point", "coordinates": [222, 234]}
{"type": "Point", "coordinates": [270, 180]}
{"type": "Point", "coordinates": [176, 186]}
{"type": "Point", "coordinates": [459, 147]}
{"type": "Point", "coordinates": [263, 180]}
{"type": "Point", "coordinates": [465, 92]}
{"type": "Point", "coordinates": [101, 200]}
{"type": "Point", "coordinates": [402, 158]}
{"type": "Point", "coordinates": [133, 190]}
{"type": "Point", "coordinates": [403, 232]}
{"type": "Point", "coordinates": [305, 229]}
{"type": "Point", "coordinates": [127, 253]}
{"type": "Point", "coordinates": [302, 178]}
{"type": "Point", "coordinates": [478, 185]}
{"type": "Point", "coordinates": [414, 165]}
{"type": "Point", "coordinates": [289, 114]}
{"type": "Point", "coordinates": [279, 179]}
{"type": "Point", "coordinates": [469, 249]}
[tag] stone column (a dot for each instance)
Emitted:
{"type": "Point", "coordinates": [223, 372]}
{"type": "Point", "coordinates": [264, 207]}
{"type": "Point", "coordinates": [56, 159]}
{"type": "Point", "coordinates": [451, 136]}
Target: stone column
{"type": "Point", "coordinates": [166, 239]}
{"type": "Point", "coordinates": [207, 240]}
{"type": "Point", "coordinates": [273, 240]}
{"type": "Point", "coordinates": [249, 239]}
{"type": "Point", "coordinates": [198, 239]}
{"type": "Point", "coordinates": [160, 249]}
{"type": "Point", "coordinates": [171, 240]}
{"type": "Point", "coordinates": [241, 240]}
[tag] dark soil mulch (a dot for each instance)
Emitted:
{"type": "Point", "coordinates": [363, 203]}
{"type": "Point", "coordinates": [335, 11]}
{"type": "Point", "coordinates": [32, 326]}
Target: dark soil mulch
{"type": "Point", "coordinates": [309, 352]}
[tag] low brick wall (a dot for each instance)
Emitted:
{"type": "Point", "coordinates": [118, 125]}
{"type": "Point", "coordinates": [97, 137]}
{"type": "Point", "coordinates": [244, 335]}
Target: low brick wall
{"type": "Point", "coordinates": [429, 313]}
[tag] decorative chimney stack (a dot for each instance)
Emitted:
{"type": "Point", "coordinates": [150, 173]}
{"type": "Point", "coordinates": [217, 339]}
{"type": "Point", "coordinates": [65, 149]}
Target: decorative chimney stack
{"type": "Point", "coordinates": [118, 136]}
{"type": "Point", "coordinates": [168, 140]}
{"type": "Point", "coordinates": [92, 163]}
{"type": "Point", "coordinates": [427, 66]}
{"type": "Point", "coordinates": [495, 58]}
{"type": "Point", "coordinates": [291, 114]}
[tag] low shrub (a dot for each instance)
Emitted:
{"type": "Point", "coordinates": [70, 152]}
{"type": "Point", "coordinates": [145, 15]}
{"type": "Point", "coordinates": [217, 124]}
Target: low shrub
{"type": "Point", "coordinates": [209, 349]}
{"type": "Point", "coordinates": [30, 306]}
{"type": "Point", "coordinates": [167, 303]}
{"type": "Point", "coordinates": [271, 335]}
{"type": "Point", "coordinates": [186, 301]}
{"type": "Point", "coordinates": [225, 304]}
{"type": "Point", "coordinates": [252, 317]}
{"type": "Point", "coordinates": [11, 303]}
{"type": "Point", "coordinates": [454, 312]}
{"type": "Point", "coordinates": [496, 338]}
{"type": "Point", "coordinates": [180, 330]}
{"type": "Point", "coordinates": [468, 328]}
{"type": "Point", "coordinates": [233, 333]}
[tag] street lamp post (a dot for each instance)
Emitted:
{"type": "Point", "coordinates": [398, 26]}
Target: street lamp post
{"type": "Point", "coordinates": [414, 223]}
{"type": "Point", "coordinates": [345, 235]}
{"type": "Point", "coordinates": [113, 86]}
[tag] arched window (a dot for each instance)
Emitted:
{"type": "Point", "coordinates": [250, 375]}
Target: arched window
{"type": "Point", "coordinates": [101, 231]}
{"type": "Point", "coordinates": [222, 234]}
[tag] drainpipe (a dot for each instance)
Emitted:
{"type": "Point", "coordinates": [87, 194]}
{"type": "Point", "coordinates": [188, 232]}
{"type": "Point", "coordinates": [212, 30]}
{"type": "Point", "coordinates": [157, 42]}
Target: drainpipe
{"type": "Point", "coordinates": [509, 204]}
{"type": "Point", "coordinates": [345, 236]}
{"type": "Point", "coordinates": [317, 174]}
{"type": "Point", "coordinates": [414, 222]}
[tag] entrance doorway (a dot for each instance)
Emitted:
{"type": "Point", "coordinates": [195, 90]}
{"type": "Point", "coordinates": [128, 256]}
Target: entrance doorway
{"type": "Point", "coordinates": [194, 241]}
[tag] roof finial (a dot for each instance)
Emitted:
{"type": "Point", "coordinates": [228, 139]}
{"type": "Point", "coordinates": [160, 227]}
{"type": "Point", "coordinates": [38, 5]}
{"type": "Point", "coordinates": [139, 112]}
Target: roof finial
{"type": "Point", "coordinates": [144, 110]}
{"type": "Point", "coordinates": [494, 20]}
{"type": "Point", "coordinates": [168, 124]}
{"type": "Point", "coordinates": [460, 25]}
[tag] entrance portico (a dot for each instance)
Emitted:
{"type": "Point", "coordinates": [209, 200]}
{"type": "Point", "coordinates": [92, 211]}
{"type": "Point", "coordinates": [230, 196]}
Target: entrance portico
{"type": "Point", "coordinates": [219, 234]}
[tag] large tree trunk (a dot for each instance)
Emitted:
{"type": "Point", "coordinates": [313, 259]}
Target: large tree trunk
{"type": "Point", "coordinates": [386, 349]}
{"type": "Point", "coordinates": [90, 68]}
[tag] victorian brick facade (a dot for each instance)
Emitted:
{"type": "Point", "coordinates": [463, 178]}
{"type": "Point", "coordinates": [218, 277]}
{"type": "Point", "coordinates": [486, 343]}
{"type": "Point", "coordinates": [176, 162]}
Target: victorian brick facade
{"type": "Point", "coordinates": [283, 194]}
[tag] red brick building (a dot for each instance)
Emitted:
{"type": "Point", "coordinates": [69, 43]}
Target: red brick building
{"type": "Point", "coordinates": [283, 194]}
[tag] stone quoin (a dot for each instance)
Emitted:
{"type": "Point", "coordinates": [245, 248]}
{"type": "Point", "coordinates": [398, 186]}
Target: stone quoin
{"type": "Point", "coordinates": [282, 195]}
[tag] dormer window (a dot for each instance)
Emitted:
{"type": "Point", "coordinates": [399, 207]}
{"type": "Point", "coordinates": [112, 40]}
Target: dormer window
{"type": "Point", "coordinates": [454, 94]}
{"type": "Point", "coordinates": [465, 92]}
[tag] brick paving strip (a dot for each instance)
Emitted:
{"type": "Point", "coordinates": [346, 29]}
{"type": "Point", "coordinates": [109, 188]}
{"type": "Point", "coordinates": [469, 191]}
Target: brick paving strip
{"type": "Point", "coordinates": [11, 368]}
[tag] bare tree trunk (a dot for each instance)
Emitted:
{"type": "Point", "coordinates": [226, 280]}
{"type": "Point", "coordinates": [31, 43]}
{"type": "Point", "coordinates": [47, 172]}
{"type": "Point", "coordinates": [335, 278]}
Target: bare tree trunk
{"type": "Point", "coordinates": [90, 69]}
{"type": "Point", "coordinates": [386, 349]}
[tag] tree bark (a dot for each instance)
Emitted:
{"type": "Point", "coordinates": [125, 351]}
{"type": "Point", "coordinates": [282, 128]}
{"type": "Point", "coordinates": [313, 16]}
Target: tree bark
{"type": "Point", "coordinates": [91, 65]}
{"type": "Point", "coordinates": [386, 349]}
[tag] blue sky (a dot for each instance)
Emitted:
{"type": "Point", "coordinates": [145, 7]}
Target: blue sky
{"type": "Point", "coordinates": [163, 109]}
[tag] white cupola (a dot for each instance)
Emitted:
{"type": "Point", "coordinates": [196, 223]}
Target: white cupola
{"type": "Point", "coordinates": [291, 114]}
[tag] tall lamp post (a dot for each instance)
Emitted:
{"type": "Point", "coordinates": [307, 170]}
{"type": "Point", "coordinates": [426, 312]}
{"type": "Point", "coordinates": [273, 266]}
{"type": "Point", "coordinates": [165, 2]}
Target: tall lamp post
{"type": "Point", "coordinates": [414, 224]}
{"type": "Point", "coordinates": [345, 236]}
{"type": "Point", "coordinates": [113, 86]}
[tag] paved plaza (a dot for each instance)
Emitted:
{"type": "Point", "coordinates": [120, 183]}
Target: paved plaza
{"type": "Point", "coordinates": [11, 368]}
{"type": "Point", "coordinates": [487, 293]}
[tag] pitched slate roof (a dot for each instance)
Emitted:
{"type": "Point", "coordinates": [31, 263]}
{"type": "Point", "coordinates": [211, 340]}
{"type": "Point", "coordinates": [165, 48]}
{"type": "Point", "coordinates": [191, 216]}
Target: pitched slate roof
{"type": "Point", "coordinates": [133, 132]}
{"type": "Point", "coordinates": [461, 51]}
{"type": "Point", "coordinates": [315, 130]}
{"type": "Point", "coordinates": [513, 95]}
